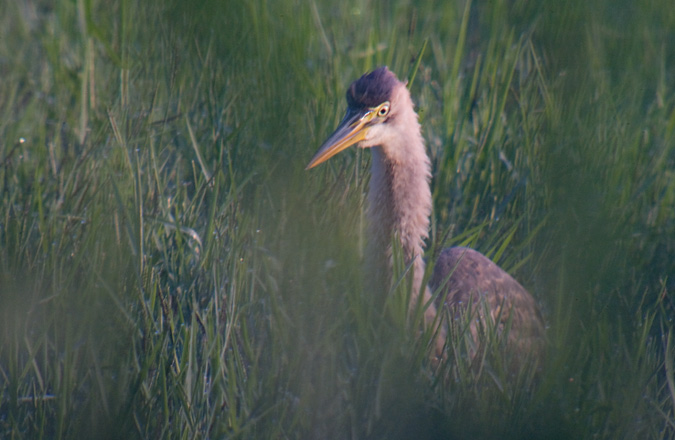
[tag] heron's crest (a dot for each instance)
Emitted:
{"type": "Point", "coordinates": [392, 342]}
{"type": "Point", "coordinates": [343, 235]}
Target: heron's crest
{"type": "Point", "coordinates": [372, 89]}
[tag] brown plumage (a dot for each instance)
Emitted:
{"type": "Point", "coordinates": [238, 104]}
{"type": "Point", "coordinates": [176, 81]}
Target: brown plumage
{"type": "Point", "coordinates": [474, 280]}
{"type": "Point", "coordinates": [381, 116]}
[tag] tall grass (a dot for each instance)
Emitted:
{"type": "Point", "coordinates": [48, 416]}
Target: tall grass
{"type": "Point", "coordinates": [169, 270]}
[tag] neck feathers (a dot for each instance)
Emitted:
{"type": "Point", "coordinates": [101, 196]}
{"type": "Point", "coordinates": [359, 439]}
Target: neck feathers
{"type": "Point", "coordinates": [399, 195]}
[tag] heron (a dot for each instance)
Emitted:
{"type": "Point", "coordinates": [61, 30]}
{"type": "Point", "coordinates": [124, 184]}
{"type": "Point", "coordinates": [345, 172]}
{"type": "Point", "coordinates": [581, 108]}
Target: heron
{"type": "Point", "coordinates": [381, 116]}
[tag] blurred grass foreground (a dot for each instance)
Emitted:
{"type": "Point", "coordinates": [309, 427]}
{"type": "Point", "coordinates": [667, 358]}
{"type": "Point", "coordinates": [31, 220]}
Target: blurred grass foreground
{"type": "Point", "coordinates": [169, 270]}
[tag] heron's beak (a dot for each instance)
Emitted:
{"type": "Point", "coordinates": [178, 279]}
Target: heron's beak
{"type": "Point", "coordinates": [351, 130]}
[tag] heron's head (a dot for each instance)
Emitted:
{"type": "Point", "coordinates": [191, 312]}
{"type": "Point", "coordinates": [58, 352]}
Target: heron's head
{"type": "Point", "coordinates": [371, 111]}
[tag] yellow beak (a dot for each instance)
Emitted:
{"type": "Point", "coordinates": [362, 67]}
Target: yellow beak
{"type": "Point", "coordinates": [351, 130]}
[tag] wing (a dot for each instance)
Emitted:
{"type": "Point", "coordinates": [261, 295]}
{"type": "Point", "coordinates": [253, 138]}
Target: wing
{"type": "Point", "coordinates": [465, 276]}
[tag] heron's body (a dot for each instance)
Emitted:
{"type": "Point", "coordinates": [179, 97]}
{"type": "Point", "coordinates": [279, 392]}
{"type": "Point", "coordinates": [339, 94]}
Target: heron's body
{"type": "Point", "coordinates": [474, 280]}
{"type": "Point", "coordinates": [381, 116]}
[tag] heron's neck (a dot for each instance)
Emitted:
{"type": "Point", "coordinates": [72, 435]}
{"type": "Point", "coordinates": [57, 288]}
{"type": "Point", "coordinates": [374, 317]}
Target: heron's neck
{"type": "Point", "coordinates": [399, 202]}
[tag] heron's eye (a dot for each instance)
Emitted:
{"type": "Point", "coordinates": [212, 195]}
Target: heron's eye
{"type": "Point", "coordinates": [383, 110]}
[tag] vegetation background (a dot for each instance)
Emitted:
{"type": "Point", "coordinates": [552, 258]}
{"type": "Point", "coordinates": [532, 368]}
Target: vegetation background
{"type": "Point", "coordinates": [169, 270]}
